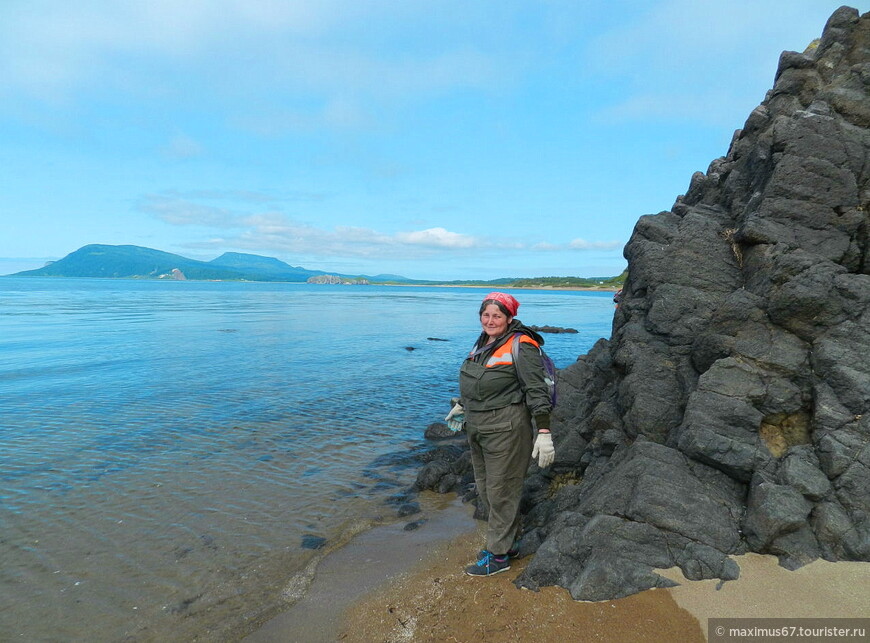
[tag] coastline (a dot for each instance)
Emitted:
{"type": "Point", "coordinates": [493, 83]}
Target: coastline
{"type": "Point", "coordinates": [388, 584]}
{"type": "Point", "coordinates": [436, 601]}
{"type": "Point", "coordinates": [509, 287]}
{"type": "Point", "coordinates": [391, 584]}
{"type": "Point", "coordinates": [303, 283]}
{"type": "Point", "coordinates": [369, 561]}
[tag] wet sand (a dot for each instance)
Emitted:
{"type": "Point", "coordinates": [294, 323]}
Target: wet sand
{"type": "Point", "coordinates": [363, 566]}
{"type": "Point", "coordinates": [439, 602]}
{"type": "Point", "coordinates": [391, 585]}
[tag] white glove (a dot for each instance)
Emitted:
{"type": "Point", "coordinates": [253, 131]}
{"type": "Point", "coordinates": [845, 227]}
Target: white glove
{"type": "Point", "coordinates": [455, 418]}
{"type": "Point", "coordinates": [543, 450]}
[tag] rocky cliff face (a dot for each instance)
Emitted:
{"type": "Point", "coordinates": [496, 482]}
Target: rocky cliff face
{"type": "Point", "coordinates": [729, 411]}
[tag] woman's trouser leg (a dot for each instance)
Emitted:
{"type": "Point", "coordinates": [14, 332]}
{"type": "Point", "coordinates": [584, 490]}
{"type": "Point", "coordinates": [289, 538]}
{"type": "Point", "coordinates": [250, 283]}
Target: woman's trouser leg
{"type": "Point", "coordinates": [501, 448]}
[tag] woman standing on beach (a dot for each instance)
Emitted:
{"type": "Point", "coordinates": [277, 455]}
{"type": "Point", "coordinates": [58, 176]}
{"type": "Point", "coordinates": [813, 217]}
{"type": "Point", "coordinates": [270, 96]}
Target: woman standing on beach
{"type": "Point", "coordinates": [502, 387]}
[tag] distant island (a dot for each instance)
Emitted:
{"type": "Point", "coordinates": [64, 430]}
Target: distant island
{"type": "Point", "coordinates": [138, 262]}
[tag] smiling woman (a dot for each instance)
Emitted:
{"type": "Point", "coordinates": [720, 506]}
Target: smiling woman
{"type": "Point", "coordinates": [502, 385]}
{"type": "Point", "coordinates": [494, 320]}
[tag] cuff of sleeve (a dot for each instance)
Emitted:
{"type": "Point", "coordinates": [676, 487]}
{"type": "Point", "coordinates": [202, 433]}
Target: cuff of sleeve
{"type": "Point", "coordinates": [542, 421]}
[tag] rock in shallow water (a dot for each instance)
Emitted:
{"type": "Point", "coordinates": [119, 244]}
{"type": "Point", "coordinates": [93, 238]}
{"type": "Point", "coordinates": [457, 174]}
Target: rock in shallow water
{"type": "Point", "coordinates": [408, 509]}
{"type": "Point", "coordinates": [440, 431]}
{"type": "Point", "coordinates": [312, 542]}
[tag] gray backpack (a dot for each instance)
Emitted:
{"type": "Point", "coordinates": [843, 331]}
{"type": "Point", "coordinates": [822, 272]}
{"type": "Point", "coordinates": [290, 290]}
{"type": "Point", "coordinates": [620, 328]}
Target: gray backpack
{"type": "Point", "coordinates": [546, 362]}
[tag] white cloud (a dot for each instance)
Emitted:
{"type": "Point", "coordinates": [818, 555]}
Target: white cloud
{"type": "Point", "coordinates": [55, 49]}
{"type": "Point", "coordinates": [338, 113]}
{"type": "Point", "coordinates": [274, 231]}
{"type": "Point", "coordinates": [182, 146]}
{"type": "Point", "coordinates": [281, 234]}
{"type": "Point", "coordinates": [577, 244]}
{"type": "Point", "coordinates": [437, 238]}
{"type": "Point", "coordinates": [582, 244]}
{"type": "Point", "coordinates": [183, 212]}
{"type": "Point", "coordinates": [244, 196]}
{"type": "Point", "coordinates": [545, 246]}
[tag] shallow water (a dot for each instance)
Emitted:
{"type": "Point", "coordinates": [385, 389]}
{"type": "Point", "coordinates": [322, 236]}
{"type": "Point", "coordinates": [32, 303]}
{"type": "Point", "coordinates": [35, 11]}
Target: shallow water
{"type": "Point", "coordinates": [168, 450]}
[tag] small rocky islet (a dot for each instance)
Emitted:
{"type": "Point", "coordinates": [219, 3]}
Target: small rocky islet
{"type": "Point", "coordinates": [728, 412]}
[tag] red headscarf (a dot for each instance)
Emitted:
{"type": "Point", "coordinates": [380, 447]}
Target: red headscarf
{"type": "Point", "coordinates": [506, 300]}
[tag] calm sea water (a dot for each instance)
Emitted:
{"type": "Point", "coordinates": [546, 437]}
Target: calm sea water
{"type": "Point", "coordinates": [170, 450]}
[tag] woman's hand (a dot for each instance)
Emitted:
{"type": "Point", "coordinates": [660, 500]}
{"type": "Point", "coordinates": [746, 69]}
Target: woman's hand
{"type": "Point", "coordinates": [455, 418]}
{"type": "Point", "coordinates": [544, 450]}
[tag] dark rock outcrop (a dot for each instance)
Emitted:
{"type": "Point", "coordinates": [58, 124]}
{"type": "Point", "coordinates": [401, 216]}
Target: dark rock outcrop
{"type": "Point", "coordinates": [553, 329]}
{"type": "Point", "coordinates": [729, 411]}
{"type": "Point", "coordinates": [447, 468]}
{"type": "Point", "coordinates": [440, 431]}
{"type": "Point", "coordinates": [337, 279]}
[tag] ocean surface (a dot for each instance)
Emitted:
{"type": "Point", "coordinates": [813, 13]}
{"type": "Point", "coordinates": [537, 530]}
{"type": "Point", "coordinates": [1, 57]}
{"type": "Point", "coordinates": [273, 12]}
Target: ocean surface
{"type": "Point", "coordinates": [173, 453]}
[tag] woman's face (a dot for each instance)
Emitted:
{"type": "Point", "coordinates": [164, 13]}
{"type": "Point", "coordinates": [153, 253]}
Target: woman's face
{"type": "Point", "coordinates": [494, 321]}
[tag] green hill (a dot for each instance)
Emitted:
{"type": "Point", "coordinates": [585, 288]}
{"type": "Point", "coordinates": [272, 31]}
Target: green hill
{"type": "Point", "coordinates": [259, 268]}
{"type": "Point", "coordinates": [145, 263]}
{"type": "Point", "coordinates": [571, 282]}
{"type": "Point", "coordinates": [137, 262]}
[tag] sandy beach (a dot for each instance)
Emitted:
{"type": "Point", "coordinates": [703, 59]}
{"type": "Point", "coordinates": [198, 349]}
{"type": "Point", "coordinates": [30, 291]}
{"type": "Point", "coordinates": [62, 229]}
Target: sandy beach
{"type": "Point", "coordinates": [393, 585]}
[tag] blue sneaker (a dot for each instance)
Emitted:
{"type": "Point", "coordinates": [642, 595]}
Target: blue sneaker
{"type": "Point", "coordinates": [488, 564]}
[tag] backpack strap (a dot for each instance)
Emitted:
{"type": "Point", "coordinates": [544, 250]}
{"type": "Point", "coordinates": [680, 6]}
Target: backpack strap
{"type": "Point", "coordinates": [515, 347]}
{"type": "Point", "coordinates": [475, 352]}
{"type": "Point", "coordinates": [515, 351]}
{"type": "Point", "coordinates": [546, 363]}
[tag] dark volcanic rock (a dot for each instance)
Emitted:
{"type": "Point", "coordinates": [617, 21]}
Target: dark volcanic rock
{"type": "Point", "coordinates": [650, 507]}
{"type": "Point", "coordinates": [440, 431]}
{"type": "Point", "coordinates": [553, 329]}
{"type": "Point", "coordinates": [408, 509]}
{"type": "Point", "coordinates": [447, 468]}
{"type": "Point", "coordinates": [310, 541]}
{"type": "Point", "coordinates": [729, 410]}
{"type": "Point", "coordinates": [411, 526]}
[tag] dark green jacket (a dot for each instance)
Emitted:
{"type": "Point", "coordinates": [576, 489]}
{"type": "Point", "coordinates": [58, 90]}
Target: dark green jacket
{"type": "Point", "coordinates": [490, 380]}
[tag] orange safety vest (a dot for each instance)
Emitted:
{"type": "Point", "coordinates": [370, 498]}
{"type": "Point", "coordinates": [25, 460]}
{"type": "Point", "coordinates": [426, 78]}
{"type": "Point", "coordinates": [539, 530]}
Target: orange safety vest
{"type": "Point", "coordinates": [504, 355]}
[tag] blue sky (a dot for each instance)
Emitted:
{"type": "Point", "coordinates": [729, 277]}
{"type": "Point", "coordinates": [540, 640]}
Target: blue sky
{"type": "Point", "coordinates": [437, 140]}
